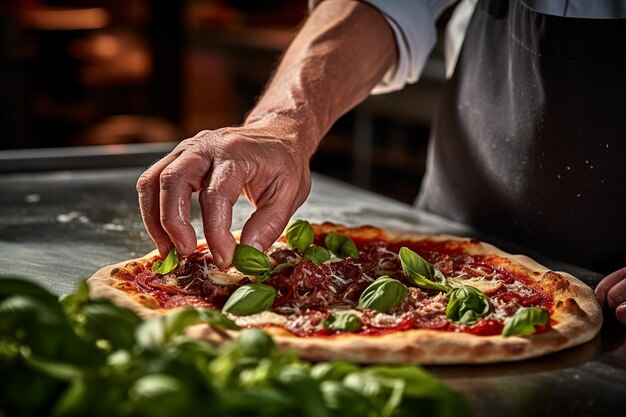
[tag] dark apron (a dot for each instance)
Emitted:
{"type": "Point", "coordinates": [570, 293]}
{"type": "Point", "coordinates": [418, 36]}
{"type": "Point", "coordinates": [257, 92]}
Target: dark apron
{"type": "Point", "coordinates": [530, 141]}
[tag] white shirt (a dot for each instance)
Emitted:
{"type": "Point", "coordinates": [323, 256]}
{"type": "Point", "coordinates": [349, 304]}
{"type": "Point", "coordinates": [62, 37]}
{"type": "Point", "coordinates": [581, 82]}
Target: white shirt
{"type": "Point", "coordinates": [413, 25]}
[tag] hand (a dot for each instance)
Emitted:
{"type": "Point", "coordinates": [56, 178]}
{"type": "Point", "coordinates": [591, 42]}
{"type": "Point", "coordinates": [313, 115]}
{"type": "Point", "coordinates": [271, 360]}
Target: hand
{"type": "Point", "coordinates": [272, 171]}
{"type": "Point", "coordinates": [611, 293]}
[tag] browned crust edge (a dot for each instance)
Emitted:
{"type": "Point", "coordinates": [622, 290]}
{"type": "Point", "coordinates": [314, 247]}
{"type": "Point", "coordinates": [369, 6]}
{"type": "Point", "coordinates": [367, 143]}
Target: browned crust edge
{"type": "Point", "coordinates": [577, 313]}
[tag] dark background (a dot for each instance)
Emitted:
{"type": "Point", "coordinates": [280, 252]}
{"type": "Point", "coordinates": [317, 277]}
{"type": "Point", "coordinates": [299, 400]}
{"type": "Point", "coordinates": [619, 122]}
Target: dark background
{"type": "Point", "coordinates": [80, 73]}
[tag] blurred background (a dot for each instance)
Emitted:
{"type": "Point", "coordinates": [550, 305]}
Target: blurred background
{"type": "Point", "coordinates": [125, 72]}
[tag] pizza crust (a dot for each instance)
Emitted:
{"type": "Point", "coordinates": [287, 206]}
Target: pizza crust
{"type": "Point", "coordinates": [576, 312]}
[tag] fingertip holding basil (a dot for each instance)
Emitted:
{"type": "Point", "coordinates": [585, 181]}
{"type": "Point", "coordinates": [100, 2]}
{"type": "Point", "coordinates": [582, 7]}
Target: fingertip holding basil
{"type": "Point", "coordinates": [383, 294]}
{"type": "Point", "coordinates": [466, 304]}
{"type": "Point", "coordinates": [299, 235]}
{"type": "Point", "coordinates": [317, 254]}
{"type": "Point", "coordinates": [421, 272]}
{"type": "Point", "coordinates": [343, 322]}
{"type": "Point", "coordinates": [341, 245]}
{"type": "Point", "coordinates": [166, 265]}
{"type": "Point", "coordinates": [250, 299]}
{"type": "Point", "coordinates": [524, 321]}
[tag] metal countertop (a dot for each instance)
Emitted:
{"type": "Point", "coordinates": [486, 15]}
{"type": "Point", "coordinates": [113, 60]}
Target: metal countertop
{"type": "Point", "coordinates": [57, 228]}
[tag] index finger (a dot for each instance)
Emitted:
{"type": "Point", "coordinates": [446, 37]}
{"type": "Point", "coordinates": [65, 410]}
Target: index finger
{"type": "Point", "coordinates": [148, 191]}
{"type": "Point", "coordinates": [607, 283]}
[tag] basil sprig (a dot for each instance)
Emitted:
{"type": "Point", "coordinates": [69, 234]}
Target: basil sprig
{"type": "Point", "coordinates": [343, 322]}
{"type": "Point", "coordinates": [86, 356]}
{"type": "Point", "coordinates": [383, 294]}
{"type": "Point", "coordinates": [525, 320]}
{"type": "Point", "coordinates": [299, 235]}
{"type": "Point", "coordinates": [341, 245]}
{"type": "Point", "coordinates": [421, 272]}
{"type": "Point", "coordinates": [250, 299]}
{"type": "Point", "coordinates": [317, 254]}
{"type": "Point", "coordinates": [466, 305]}
{"type": "Point", "coordinates": [254, 262]}
{"type": "Point", "coordinates": [166, 265]}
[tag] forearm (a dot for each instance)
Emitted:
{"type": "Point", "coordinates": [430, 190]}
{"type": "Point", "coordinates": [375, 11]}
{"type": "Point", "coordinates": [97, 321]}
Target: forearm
{"type": "Point", "coordinates": [339, 55]}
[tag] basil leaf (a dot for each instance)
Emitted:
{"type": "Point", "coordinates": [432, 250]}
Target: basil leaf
{"type": "Point", "coordinates": [255, 343]}
{"type": "Point", "coordinates": [343, 322]}
{"type": "Point", "coordinates": [161, 395]}
{"type": "Point", "coordinates": [299, 235]}
{"type": "Point", "coordinates": [167, 265]}
{"type": "Point", "coordinates": [334, 371]}
{"type": "Point", "coordinates": [525, 320]}
{"type": "Point", "coordinates": [344, 401]}
{"type": "Point", "coordinates": [383, 294]}
{"type": "Point", "coordinates": [250, 299]}
{"type": "Point", "coordinates": [250, 260]}
{"type": "Point", "coordinates": [161, 330]}
{"type": "Point", "coordinates": [317, 254]}
{"type": "Point", "coordinates": [216, 319]}
{"type": "Point", "coordinates": [341, 245]}
{"type": "Point", "coordinates": [466, 305]}
{"type": "Point", "coordinates": [420, 272]}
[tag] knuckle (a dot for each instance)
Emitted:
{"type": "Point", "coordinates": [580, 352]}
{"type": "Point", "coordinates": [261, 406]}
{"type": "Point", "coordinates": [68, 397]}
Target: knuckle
{"type": "Point", "coordinates": [615, 298]}
{"type": "Point", "coordinates": [144, 182]}
{"type": "Point", "coordinates": [169, 177]}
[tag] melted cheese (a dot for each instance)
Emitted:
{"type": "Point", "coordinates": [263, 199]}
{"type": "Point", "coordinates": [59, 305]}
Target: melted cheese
{"type": "Point", "coordinates": [259, 319]}
{"type": "Point", "coordinates": [484, 285]}
{"type": "Point", "coordinates": [218, 277]}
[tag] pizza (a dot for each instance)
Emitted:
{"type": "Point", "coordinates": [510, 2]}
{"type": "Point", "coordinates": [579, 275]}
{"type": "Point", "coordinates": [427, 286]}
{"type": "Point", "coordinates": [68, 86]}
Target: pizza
{"type": "Point", "coordinates": [370, 295]}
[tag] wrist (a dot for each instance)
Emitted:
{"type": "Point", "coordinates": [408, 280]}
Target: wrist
{"type": "Point", "coordinates": [288, 126]}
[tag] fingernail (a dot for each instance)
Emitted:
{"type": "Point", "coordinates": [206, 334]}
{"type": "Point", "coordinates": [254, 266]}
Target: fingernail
{"type": "Point", "coordinates": [219, 261]}
{"type": "Point", "coordinates": [256, 245]}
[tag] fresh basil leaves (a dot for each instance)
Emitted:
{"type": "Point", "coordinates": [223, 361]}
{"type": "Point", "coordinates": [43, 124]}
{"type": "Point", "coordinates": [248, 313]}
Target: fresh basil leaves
{"type": "Point", "coordinates": [157, 370]}
{"type": "Point", "coordinates": [525, 320]}
{"type": "Point", "coordinates": [341, 245]}
{"type": "Point", "coordinates": [343, 322]}
{"type": "Point", "coordinates": [254, 262]}
{"type": "Point", "coordinates": [317, 254]}
{"type": "Point", "coordinates": [420, 272]}
{"type": "Point", "coordinates": [250, 299]}
{"type": "Point", "coordinates": [250, 260]}
{"type": "Point", "coordinates": [299, 235]}
{"type": "Point", "coordinates": [167, 265]}
{"type": "Point", "coordinates": [383, 294]}
{"type": "Point", "coordinates": [466, 304]}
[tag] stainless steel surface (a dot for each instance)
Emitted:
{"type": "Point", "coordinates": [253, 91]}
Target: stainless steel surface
{"type": "Point", "coordinates": [59, 227]}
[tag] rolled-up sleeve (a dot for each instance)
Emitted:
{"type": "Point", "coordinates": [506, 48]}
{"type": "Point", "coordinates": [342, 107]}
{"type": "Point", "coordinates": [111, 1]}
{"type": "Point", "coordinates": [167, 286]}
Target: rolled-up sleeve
{"type": "Point", "coordinates": [413, 25]}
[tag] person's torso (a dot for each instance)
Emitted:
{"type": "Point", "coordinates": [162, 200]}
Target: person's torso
{"type": "Point", "coordinates": [530, 138]}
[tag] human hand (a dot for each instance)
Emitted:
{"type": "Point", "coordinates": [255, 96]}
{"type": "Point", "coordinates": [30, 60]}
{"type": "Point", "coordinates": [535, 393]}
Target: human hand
{"type": "Point", "coordinates": [263, 161]}
{"type": "Point", "coordinates": [611, 293]}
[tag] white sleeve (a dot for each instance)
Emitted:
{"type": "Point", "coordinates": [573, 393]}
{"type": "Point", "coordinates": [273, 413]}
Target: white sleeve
{"type": "Point", "coordinates": [413, 25]}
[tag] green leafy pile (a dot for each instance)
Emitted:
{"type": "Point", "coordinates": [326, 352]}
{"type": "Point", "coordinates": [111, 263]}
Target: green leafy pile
{"type": "Point", "coordinates": [82, 356]}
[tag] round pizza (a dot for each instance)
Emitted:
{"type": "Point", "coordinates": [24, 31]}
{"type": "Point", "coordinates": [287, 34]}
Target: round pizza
{"type": "Point", "coordinates": [369, 295]}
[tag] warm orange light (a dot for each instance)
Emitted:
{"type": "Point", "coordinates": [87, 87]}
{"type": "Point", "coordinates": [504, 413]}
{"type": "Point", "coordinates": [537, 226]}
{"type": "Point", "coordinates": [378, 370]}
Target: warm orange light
{"type": "Point", "coordinates": [50, 18]}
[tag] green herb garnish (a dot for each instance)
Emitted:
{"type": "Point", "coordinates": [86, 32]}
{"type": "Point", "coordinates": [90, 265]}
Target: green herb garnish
{"type": "Point", "coordinates": [466, 305]}
{"type": "Point", "coordinates": [299, 235]}
{"type": "Point", "coordinates": [166, 265]}
{"type": "Point", "coordinates": [250, 299]}
{"type": "Point", "coordinates": [420, 272]}
{"type": "Point", "coordinates": [525, 320]}
{"type": "Point", "coordinates": [343, 322]}
{"type": "Point", "coordinates": [317, 254]}
{"type": "Point", "coordinates": [341, 245]}
{"type": "Point", "coordinates": [383, 294]}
